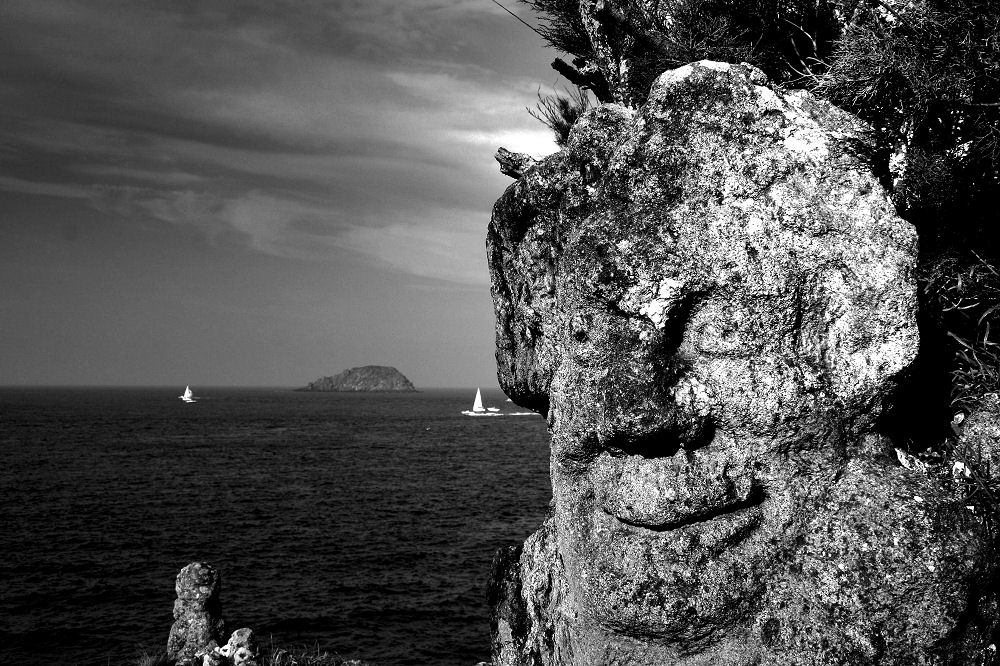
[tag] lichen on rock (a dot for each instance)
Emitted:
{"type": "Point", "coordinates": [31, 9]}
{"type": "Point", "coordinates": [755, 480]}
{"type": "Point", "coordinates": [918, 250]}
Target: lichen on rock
{"type": "Point", "coordinates": [712, 299]}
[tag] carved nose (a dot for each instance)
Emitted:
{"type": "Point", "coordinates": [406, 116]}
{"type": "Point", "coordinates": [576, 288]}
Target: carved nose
{"type": "Point", "coordinates": [616, 387]}
{"type": "Point", "coordinates": [640, 415]}
{"type": "Point", "coordinates": [638, 390]}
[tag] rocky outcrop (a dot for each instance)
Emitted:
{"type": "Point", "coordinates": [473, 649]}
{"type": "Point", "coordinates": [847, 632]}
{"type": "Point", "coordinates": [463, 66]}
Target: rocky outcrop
{"type": "Point", "coordinates": [198, 625]}
{"type": "Point", "coordinates": [373, 378]}
{"type": "Point", "coordinates": [713, 300]}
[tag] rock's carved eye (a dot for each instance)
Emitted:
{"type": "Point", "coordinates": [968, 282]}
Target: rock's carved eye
{"type": "Point", "coordinates": [721, 335]}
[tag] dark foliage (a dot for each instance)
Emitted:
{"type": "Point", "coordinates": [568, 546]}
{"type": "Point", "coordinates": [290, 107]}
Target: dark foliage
{"type": "Point", "coordinates": [963, 293]}
{"type": "Point", "coordinates": [788, 39]}
{"type": "Point", "coordinates": [561, 26]}
{"type": "Point", "coordinates": [928, 77]}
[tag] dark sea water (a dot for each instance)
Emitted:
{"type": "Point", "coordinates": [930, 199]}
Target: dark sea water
{"type": "Point", "coordinates": [357, 523]}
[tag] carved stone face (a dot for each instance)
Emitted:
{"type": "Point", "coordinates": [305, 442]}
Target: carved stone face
{"type": "Point", "coordinates": [703, 397]}
{"type": "Point", "coordinates": [713, 328]}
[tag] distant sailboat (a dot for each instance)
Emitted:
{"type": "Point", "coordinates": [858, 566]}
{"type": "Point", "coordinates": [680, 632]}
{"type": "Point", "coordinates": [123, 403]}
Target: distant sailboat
{"type": "Point", "coordinates": [188, 395]}
{"type": "Point", "coordinates": [479, 410]}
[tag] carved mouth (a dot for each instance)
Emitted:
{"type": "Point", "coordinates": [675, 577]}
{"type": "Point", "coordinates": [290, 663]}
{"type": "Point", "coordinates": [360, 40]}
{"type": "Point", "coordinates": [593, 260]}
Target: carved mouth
{"type": "Point", "coordinates": [744, 511]}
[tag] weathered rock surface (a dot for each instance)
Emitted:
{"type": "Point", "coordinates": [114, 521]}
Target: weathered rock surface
{"type": "Point", "coordinates": [242, 648]}
{"type": "Point", "coordinates": [712, 298]}
{"type": "Point", "coordinates": [373, 378]}
{"type": "Point", "coordinates": [198, 625]}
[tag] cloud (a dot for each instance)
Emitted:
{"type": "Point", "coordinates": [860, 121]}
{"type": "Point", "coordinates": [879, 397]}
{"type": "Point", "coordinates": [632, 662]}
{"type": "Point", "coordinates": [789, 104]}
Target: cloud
{"type": "Point", "coordinates": [454, 251]}
{"type": "Point", "coordinates": [21, 186]}
{"type": "Point", "coordinates": [281, 226]}
{"type": "Point", "coordinates": [445, 244]}
{"type": "Point", "coordinates": [170, 178]}
{"type": "Point", "coordinates": [301, 128]}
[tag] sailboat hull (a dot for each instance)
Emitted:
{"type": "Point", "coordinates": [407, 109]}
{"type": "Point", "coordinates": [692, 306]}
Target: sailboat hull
{"type": "Point", "coordinates": [479, 410]}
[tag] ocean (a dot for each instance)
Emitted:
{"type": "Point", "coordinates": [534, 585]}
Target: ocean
{"type": "Point", "coordinates": [360, 524]}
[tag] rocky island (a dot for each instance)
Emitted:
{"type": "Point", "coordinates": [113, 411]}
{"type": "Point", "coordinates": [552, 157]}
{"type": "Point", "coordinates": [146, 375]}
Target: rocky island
{"type": "Point", "coordinates": [371, 378]}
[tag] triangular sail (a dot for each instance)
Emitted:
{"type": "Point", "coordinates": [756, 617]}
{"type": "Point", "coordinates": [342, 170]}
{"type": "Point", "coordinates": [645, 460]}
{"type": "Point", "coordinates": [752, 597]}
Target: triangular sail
{"type": "Point", "coordinates": [477, 406]}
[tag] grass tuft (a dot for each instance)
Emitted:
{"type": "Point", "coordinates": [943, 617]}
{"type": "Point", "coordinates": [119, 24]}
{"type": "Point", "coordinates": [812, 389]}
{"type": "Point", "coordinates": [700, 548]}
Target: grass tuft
{"type": "Point", "coordinates": [965, 295]}
{"type": "Point", "coordinates": [146, 658]}
{"type": "Point", "coordinates": [975, 488]}
{"type": "Point", "coordinates": [274, 655]}
{"type": "Point", "coordinates": [271, 655]}
{"type": "Point", "coordinates": [560, 112]}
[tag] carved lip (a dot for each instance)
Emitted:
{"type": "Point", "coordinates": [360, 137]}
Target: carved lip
{"type": "Point", "coordinates": [745, 512]}
{"type": "Point", "coordinates": [709, 534]}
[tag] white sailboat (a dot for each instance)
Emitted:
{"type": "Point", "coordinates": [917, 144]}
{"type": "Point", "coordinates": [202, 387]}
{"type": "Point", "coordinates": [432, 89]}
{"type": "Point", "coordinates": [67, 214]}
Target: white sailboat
{"type": "Point", "coordinates": [479, 410]}
{"type": "Point", "coordinates": [188, 395]}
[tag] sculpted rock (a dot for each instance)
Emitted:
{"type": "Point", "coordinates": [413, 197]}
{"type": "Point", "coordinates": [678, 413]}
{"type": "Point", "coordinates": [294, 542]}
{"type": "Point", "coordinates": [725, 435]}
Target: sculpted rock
{"type": "Point", "coordinates": [198, 624]}
{"type": "Point", "coordinates": [374, 378]}
{"type": "Point", "coordinates": [712, 298]}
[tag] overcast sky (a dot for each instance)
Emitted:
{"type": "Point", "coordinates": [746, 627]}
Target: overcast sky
{"type": "Point", "coordinates": [255, 192]}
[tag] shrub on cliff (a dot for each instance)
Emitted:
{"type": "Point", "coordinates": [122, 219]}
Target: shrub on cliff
{"type": "Point", "coordinates": [927, 76]}
{"type": "Point", "coordinates": [925, 73]}
{"type": "Point", "coordinates": [560, 112]}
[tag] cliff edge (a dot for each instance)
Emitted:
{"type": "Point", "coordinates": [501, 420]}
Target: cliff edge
{"type": "Point", "coordinates": [372, 378]}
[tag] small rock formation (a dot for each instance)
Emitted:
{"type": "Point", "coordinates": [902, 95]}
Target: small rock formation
{"type": "Point", "coordinates": [241, 650]}
{"type": "Point", "coordinates": [198, 625]}
{"type": "Point", "coordinates": [712, 299]}
{"type": "Point", "coordinates": [513, 164]}
{"type": "Point", "coordinates": [374, 378]}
